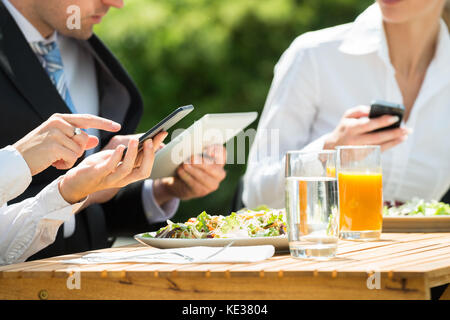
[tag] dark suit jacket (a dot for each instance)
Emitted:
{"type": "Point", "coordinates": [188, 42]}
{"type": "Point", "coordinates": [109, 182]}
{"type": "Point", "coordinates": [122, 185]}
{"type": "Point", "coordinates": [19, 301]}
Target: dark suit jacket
{"type": "Point", "coordinates": [28, 98]}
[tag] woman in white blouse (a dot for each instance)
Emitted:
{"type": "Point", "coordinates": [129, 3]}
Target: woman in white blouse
{"type": "Point", "coordinates": [397, 51]}
{"type": "Point", "coordinates": [31, 225]}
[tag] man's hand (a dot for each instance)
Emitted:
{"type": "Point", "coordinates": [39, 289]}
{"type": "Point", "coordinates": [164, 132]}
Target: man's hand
{"type": "Point", "coordinates": [356, 128]}
{"type": "Point", "coordinates": [54, 142]}
{"type": "Point", "coordinates": [106, 170]}
{"type": "Point", "coordinates": [195, 178]}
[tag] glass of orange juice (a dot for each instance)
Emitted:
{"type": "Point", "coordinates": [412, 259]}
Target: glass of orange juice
{"type": "Point", "coordinates": [360, 190]}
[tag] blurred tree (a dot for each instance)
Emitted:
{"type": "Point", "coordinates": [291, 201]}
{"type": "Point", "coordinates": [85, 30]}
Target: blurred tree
{"type": "Point", "coordinates": [218, 55]}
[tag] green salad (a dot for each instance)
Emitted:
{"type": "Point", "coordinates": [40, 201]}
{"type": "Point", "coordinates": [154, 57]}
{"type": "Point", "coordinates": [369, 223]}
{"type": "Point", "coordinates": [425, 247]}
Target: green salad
{"type": "Point", "coordinates": [246, 223]}
{"type": "Point", "coordinates": [418, 207]}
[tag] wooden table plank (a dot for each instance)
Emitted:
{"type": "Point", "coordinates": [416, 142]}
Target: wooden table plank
{"type": "Point", "coordinates": [382, 261]}
{"type": "Point", "coordinates": [408, 265]}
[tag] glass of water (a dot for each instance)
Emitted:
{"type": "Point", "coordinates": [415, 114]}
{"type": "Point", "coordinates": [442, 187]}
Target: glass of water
{"type": "Point", "coordinates": [312, 204]}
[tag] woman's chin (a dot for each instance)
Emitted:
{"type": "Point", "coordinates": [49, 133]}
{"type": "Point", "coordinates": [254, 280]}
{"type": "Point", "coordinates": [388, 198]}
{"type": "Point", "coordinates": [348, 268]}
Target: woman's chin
{"type": "Point", "coordinates": [401, 11]}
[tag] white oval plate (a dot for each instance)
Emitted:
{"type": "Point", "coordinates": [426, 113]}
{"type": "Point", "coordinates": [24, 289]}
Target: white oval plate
{"type": "Point", "coordinates": [279, 242]}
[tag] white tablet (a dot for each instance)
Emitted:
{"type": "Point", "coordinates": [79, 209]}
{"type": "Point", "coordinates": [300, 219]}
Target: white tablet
{"type": "Point", "coordinates": [215, 128]}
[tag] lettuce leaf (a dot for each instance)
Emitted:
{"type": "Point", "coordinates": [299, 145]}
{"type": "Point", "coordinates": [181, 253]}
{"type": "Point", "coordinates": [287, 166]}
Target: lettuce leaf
{"type": "Point", "coordinates": [230, 223]}
{"type": "Point", "coordinates": [202, 220]}
{"type": "Point", "coordinates": [418, 207]}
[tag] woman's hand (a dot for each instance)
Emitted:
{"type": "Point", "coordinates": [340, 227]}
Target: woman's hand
{"type": "Point", "coordinates": [106, 170]}
{"type": "Point", "coordinates": [106, 195]}
{"type": "Point", "coordinates": [55, 143]}
{"type": "Point", "coordinates": [356, 128]}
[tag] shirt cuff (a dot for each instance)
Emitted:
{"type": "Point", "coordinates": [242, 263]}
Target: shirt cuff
{"type": "Point", "coordinates": [53, 203]}
{"type": "Point", "coordinates": [153, 211]}
{"type": "Point", "coordinates": [15, 174]}
{"type": "Point", "coordinates": [45, 213]}
{"type": "Point", "coordinates": [67, 212]}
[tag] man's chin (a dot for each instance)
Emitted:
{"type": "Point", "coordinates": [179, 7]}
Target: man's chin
{"type": "Point", "coordinates": [83, 33]}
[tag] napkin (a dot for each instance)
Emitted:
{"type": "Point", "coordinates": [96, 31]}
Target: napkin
{"type": "Point", "coordinates": [198, 254]}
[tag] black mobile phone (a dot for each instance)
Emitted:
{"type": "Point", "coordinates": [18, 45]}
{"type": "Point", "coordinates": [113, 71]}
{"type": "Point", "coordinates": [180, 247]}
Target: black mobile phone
{"type": "Point", "coordinates": [164, 125]}
{"type": "Point", "coordinates": [379, 108]}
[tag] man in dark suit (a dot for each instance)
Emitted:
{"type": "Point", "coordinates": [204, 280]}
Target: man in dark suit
{"type": "Point", "coordinates": [49, 66]}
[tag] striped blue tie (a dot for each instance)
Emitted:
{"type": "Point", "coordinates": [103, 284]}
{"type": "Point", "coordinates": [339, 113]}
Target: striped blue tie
{"type": "Point", "coordinates": [50, 57]}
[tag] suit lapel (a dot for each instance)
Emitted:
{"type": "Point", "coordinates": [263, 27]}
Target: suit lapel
{"type": "Point", "coordinates": [118, 93]}
{"type": "Point", "coordinates": [26, 72]}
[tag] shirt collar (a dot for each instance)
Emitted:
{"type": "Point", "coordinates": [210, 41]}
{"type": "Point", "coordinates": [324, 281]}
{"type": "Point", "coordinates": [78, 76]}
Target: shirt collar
{"type": "Point", "coordinates": [29, 31]}
{"type": "Point", "coordinates": [438, 73]}
{"type": "Point", "coordinates": [442, 54]}
{"type": "Point", "coordinates": [366, 34]}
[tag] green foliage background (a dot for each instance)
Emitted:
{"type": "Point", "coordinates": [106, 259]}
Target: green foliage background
{"type": "Point", "coordinates": [218, 55]}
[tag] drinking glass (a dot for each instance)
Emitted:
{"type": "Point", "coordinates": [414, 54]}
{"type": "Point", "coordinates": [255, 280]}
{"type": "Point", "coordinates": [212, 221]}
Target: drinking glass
{"type": "Point", "coordinates": [360, 192]}
{"type": "Point", "coordinates": [312, 204]}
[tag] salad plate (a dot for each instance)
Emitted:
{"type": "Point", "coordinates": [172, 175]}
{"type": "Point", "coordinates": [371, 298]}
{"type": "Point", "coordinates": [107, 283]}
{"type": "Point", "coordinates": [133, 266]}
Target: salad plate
{"type": "Point", "coordinates": [259, 226]}
{"type": "Point", "coordinates": [416, 224]}
{"type": "Point", "coordinates": [279, 242]}
{"type": "Point", "coordinates": [417, 215]}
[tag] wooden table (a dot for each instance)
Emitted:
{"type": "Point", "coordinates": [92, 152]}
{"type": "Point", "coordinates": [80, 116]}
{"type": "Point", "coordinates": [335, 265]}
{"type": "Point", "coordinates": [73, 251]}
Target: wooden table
{"type": "Point", "coordinates": [407, 266]}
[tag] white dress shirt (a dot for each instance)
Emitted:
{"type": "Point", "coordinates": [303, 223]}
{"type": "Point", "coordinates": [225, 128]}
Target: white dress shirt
{"type": "Point", "coordinates": [31, 225]}
{"type": "Point", "coordinates": [326, 72]}
{"type": "Point", "coordinates": [81, 80]}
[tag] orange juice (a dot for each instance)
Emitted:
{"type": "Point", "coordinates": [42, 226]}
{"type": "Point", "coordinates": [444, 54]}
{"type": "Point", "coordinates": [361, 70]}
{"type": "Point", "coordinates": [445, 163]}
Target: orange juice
{"type": "Point", "coordinates": [360, 201]}
{"type": "Point", "coordinates": [303, 198]}
{"type": "Point", "coordinates": [331, 172]}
